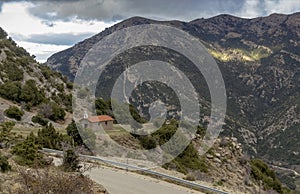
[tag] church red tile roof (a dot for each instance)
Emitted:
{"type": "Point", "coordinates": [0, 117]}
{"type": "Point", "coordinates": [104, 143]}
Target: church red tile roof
{"type": "Point", "coordinates": [100, 118]}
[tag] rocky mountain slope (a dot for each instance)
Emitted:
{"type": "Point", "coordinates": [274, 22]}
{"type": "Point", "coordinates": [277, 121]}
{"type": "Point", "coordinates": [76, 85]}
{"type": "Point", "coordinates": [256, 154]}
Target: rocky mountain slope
{"type": "Point", "coordinates": [260, 62]}
{"type": "Point", "coordinates": [33, 88]}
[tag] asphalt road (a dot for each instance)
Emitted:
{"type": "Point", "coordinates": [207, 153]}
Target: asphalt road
{"type": "Point", "coordinates": [131, 183]}
{"type": "Point", "coordinates": [122, 182]}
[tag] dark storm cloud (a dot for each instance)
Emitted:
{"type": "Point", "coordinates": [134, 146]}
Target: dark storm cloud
{"type": "Point", "coordinates": [112, 10]}
{"type": "Point", "coordinates": [56, 39]}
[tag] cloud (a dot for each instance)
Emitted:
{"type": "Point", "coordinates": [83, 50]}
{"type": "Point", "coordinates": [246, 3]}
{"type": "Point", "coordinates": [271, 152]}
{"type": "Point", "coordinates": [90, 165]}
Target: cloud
{"type": "Point", "coordinates": [257, 8]}
{"type": "Point", "coordinates": [54, 38]}
{"type": "Point", "coordinates": [41, 51]}
{"type": "Point", "coordinates": [112, 10]}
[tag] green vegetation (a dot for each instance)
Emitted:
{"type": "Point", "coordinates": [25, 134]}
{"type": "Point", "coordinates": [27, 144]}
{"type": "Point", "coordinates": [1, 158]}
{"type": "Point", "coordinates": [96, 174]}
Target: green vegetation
{"type": "Point", "coordinates": [3, 34]}
{"type": "Point", "coordinates": [148, 142]}
{"type": "Point", "coordinates": [187, 160]}
{"type": "Point", "coordinates": [48, 137]}
{"type": "Point", "coordinates": [11, 91]}
{"type": "Point", "coordinates": [28, 93]}
{"type": "Point", "coordinates": [51, 111]}
{"type": "Point", "coordinates": [105, 108]}
{"type": "Point", "coordinates": [41, 86]}
{"type": "Point", "coordinates": [86, 137]}
{"type": "Point", "coordinates": [70, 161]}
{"type": "Point", "coordinates": [7, 137]}
{"type": "Point", "coordinates": [14, 112]}
{"type": "Point", "coordinates": [40, 120]}
{"type": "Point", "coordinates": [4, 165]}
{"type": "Point", "coordinates": [261, 172]}
{"type": "Point", "coordinates": [58, 113]}
{"type": "Point", "coordinates": [28, 152]}
{"type": "Point", "coordinates": [31, 94]}
{"type": "Point", "coordinates": [72, 131]}
{"type": "Point", "coordinates": [13, 72]}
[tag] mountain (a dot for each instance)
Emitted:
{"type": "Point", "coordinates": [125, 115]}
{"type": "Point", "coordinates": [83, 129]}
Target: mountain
{"type": "Point", "coordinates": [30, 92]}
{"type": "Point", "coordinates": [260, 62]}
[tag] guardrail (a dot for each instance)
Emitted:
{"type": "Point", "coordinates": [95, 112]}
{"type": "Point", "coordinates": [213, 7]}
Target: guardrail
{"type": "Point", "coordinates": [127, 166]}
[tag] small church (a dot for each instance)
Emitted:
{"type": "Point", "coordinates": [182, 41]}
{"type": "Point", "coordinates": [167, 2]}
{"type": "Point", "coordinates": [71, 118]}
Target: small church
{"type": "Point", "coordinates": [92, 122]}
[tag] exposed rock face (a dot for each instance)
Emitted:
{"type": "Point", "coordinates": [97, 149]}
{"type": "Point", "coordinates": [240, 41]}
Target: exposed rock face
{"type": "Point", "coordinates": [260, 62]}
{"type": "Point", "coordinates": [228, 167]}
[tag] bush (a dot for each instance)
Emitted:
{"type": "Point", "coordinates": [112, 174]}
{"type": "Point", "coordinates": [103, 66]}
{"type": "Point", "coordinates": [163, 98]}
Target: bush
{"type": "Point", "coordinates": [190, 177]}
{"type": "Point", "coordinates": [28, 152]}
{"type": "Point", "coordinates": [6, 136]}
{"type": "Point", "coordinates": [72, 131]}
{"type": "Point", "coordinates": [148, 142]}
{"type": "Point", "coordinates": [13, 72]}
{"type": "Point", "coordinates": [188, 159]}
{"type": "Point", "coordinates": [31, 94]}
{"type": "Point", "coordinates": [4, 165]}
{"type": "Point", "coordinates": [14, 112]}
{"type": "Point", "coordinates": [50, 180]}
{"type": "Point", "coordinates": [58, 113]}
{"type": "Point", "coordinates": [40, 120]}
{"type": "Point", "coordinates": [52, 111]}
{"type": "Point", "coordinates": [49, 138]}
{"type": "Point", "coordinates": [70, 161]}
{"type": "Point", "coordinates": [201, 131]}
{"type": "Point", "coordinates": [11, 91]}
{"type": "Point", "coordinates": [261, 172]}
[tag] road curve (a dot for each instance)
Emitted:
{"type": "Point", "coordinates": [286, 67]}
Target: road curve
{"type": "Point", "coordinates": [122, 182]}
{"type": "Point", "coordinates": [127, 166]}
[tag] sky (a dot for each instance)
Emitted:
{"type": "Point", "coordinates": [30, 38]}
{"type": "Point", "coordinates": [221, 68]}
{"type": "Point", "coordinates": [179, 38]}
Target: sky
{"type": "Point", "coordinates": [44, 27]}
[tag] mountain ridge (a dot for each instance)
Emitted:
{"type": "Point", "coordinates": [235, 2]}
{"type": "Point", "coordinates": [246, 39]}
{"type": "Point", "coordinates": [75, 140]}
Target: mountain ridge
{"type": "Point", "coordinates": [260, 62]}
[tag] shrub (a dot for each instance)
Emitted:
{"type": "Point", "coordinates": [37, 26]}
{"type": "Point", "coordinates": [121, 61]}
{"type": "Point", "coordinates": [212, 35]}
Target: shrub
{"type": "Point", "coordinates": [69, 85]}
{"type": "Point", "coordinates": [28, 152]}
{"type": "Point", "coordinates": [4, 165]}
{"type": "Point", "coordinates": [31, 94]}
{"type": "Point", "coordinates": [3, 34]}
{"type": "Point", "coordinates": [52, 111]}
{"type": "Point", "coordinates": [40, 120]}
{"type": "Point", "coordinates": [6, 136]}
{"type": "Point", "coordinates": [201, 131]}
{"type": "Point", "coordinates": [58, 113]}
{"type": "Point", "coordinates": [49, 138]}
{"type": "Point", "coordinates": [11, 90]}
{"type": "Point", "coordinates": [148, 142]}
{"type": "Point", "coordinates": [72, 131]}
{"type": "Point", "coordinates": [14, 112]}
{"type": "Point", "coordinates": [50, 180]}
{"type": "Point", "coordinates": [188, 159]}
{"type": "Point", "coordinates": [70, 161]}
{"type": "Point", "coordinates": [261, 172]}
{"type": "Point", "coordinates": [45, 110]}
{"type": "Point", "coordinates": [13, 72]}
{"type": "Point", "coordinates": [190, 177]}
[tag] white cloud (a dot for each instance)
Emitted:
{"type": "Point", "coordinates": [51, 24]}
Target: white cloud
{"type": "Point", "coordinates": [251, 8]}
{"type": "Point", "coordinates": [41, 51]}
{"type": "Point", "coordinates": [282, 6]}
{"type": "Point", "coordinates": [258, 8]}
{"type": "Point", "coordinates": [16, 20]}
{"type": "Point", "coordinates": [41, 18]}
